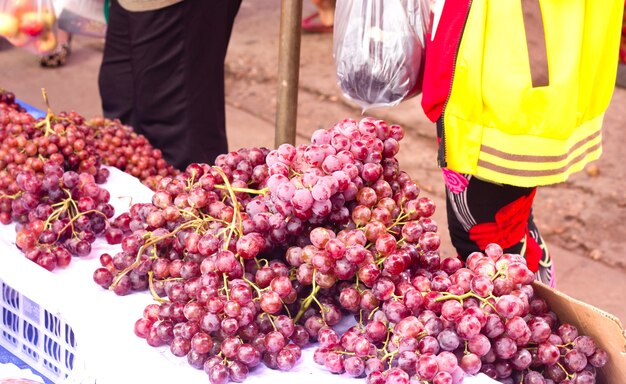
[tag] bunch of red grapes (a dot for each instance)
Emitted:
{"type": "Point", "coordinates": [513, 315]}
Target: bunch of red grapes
{"type": "Point", "coordinates": [121, 147]}
{"type": "Point", "coordinates": [269, 250]}
{"type": "Point", "coordinates": [28, 144]}
{"type": "Point", "coordinates": [461, 320]}
{"type": "Point", "coordinates": [59, 215]}
{"type": "Point", "coordinates": [67, 139]}
{"type": "Point", "coordinates": [49, 169]}
{"type": "Point", "coordinates": [7, 99]}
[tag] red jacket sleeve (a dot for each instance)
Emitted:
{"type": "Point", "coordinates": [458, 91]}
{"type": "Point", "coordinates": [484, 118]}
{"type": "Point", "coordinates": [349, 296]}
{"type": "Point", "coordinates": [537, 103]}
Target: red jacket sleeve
{"type": "Point", "coordinates": [441, 55]}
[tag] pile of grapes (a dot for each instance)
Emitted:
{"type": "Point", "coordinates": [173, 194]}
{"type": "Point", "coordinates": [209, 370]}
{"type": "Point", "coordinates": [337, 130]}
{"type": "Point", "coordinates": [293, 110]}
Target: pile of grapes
{"type": "Point", "coordinates": [268, 251]}
{"type": "Point", "coordinates": [49, 171]}
{"type": "Point", "coordinates": [61, 215]}
{"type": "Point", "coordinates": [121, 147]}
{"type": "Point", "coordinates": [29, 145]}
{"type": "Point", "coordinates": [7, 99]}
{"type": "Point", "coordinates": [75, 143]}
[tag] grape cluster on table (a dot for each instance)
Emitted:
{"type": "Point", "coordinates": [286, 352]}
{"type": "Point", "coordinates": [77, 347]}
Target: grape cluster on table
{"type": "Point", "coordinates": [269, 251]}
{"type": "Point", "coordinates": [121, 147]}
{"type": "Point", "coordinates": [61, 215]}
{"type": "Point", "coordinates": [49, 171]}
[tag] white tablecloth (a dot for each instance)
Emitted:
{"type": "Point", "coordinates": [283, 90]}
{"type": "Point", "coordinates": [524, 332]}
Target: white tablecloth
{"type": "Point", "coordinates": [108, 351]}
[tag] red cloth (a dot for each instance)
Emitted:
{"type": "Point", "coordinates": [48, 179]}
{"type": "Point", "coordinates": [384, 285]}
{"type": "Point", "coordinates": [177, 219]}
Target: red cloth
{"type": "Point", "coordinates": [533, 253]}
{"type": "Point", "coordinates": [510, 227]}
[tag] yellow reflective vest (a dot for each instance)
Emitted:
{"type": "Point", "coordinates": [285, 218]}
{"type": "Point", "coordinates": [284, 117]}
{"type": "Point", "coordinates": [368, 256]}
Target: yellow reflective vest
{"type": "Point", "coordinates": [529, 113]}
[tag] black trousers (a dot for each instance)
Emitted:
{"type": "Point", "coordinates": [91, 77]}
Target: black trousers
{"type": "Point", "coordinates": [480, 212]}
{"type": "Point", "coordinates": [162, 73]}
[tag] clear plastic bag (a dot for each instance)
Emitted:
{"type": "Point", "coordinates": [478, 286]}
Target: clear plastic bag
{"type": "Point", "coordinates": [83, 17]}
{"type": "Point", "coordinates": [379, 48]}
{"type": "Point", "coordinates": [29, 24]}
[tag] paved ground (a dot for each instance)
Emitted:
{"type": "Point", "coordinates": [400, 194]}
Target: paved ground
{"type": "Point", "coordinates": [582, 220]}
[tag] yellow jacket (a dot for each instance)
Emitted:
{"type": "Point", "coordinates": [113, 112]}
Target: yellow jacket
{"type": "Point", "coordinates": [511, 122]}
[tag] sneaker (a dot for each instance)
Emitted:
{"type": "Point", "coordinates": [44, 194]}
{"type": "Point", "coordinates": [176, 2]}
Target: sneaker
{"type": "Point", "coordinates": [59, 57]}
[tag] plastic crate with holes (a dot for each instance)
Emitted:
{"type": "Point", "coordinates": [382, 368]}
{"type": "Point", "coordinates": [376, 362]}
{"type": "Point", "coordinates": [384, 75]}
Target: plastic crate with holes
{"type": "Point", "coordinates": [40, 338]}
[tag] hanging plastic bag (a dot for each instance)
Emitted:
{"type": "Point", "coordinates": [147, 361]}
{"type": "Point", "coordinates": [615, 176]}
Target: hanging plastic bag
{"type": "Point", "coordinates": [420, 17]}
{"type": "Point", "coordinates": [379, 49]}
{"type": "Point", "coordinates": [29, 24]}
{"type": "Point", "coordinates": [83, 17]}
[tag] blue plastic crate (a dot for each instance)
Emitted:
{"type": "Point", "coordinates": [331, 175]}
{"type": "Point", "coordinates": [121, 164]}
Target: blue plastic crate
{"type": "Point", "coordinates": [7, 357]}
{"type": "Point", "coordinates": [36, 336]}
{"type": "Point", "coordinates": [37, 113]}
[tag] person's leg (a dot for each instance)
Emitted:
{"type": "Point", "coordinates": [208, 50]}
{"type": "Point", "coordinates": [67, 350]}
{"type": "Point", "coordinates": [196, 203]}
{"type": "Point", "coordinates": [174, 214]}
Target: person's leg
{"type": "Point", "coordinates": [115, 79]}
{"type": "Point", "coordinates": [155, 68]}
{"type": "Point", "coordinates": [178, 63]}
{"type": "Point", "coordinates": [545, 274]}
{"type": "Point", "coordinates": [232, 11]}
{"type": "Point", "coordinates": [205, 52]}
{"type": "Point", "coordinates": [481, 212]}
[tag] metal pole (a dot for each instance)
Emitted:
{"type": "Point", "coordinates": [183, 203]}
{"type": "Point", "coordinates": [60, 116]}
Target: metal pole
{"type": "Point", "coordinates": [288, 71]}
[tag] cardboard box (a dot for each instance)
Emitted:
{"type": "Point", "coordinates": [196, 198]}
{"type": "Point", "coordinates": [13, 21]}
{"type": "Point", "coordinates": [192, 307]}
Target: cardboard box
{"type": "Point", "coordinates": [606, 329]}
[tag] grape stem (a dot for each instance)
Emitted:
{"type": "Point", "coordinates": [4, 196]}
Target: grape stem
{"type": "Point", "coordinates": [73, 219]}
{"type": "Point", "coordinates": [155, 296]}
{"type": "Point", "coordinates": [306, 303]}
{"type": "Point", "coordinates": [11, 197]}
{"type": "Point", "coordinates": [244, 190]}
{"type": "Point", "coordinates": [143, 247]}
{"type": "Point", "coordinates": [486, 302]}
{"type": "Point", "coordinates": [191, 179]}
{"type": "Point", "coordinates": [396, 297]}
{"type": "Point", "coordinates": [565, 346]}
{"type": "Point", "coordinates": [449, 296]}
{"type": "Point", "coordinates": [256, 288]}
{"type": "Point", "coordinates": [388, 355]}
{"type": "Point", "coordinates": [235, 203]}
{"type": "Point", "coordinates": [399, 220]}
{"type": "Point", "coordinates": [371, 315]}
{"type": "Point", "coordinates": [360, 324]}
{"type": "Point", "coordinates": [269, 317]}
{"type": "Point", "coordinates": [47, 121]}
{"type": "Point", "coordinates": [286, 309]}
{"type": "Point", "coordinates": [226, 290]}
{"type": "Point", "coordinates": [569, 375]}
{"type": "Point", "coordinates": [498, 274]}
